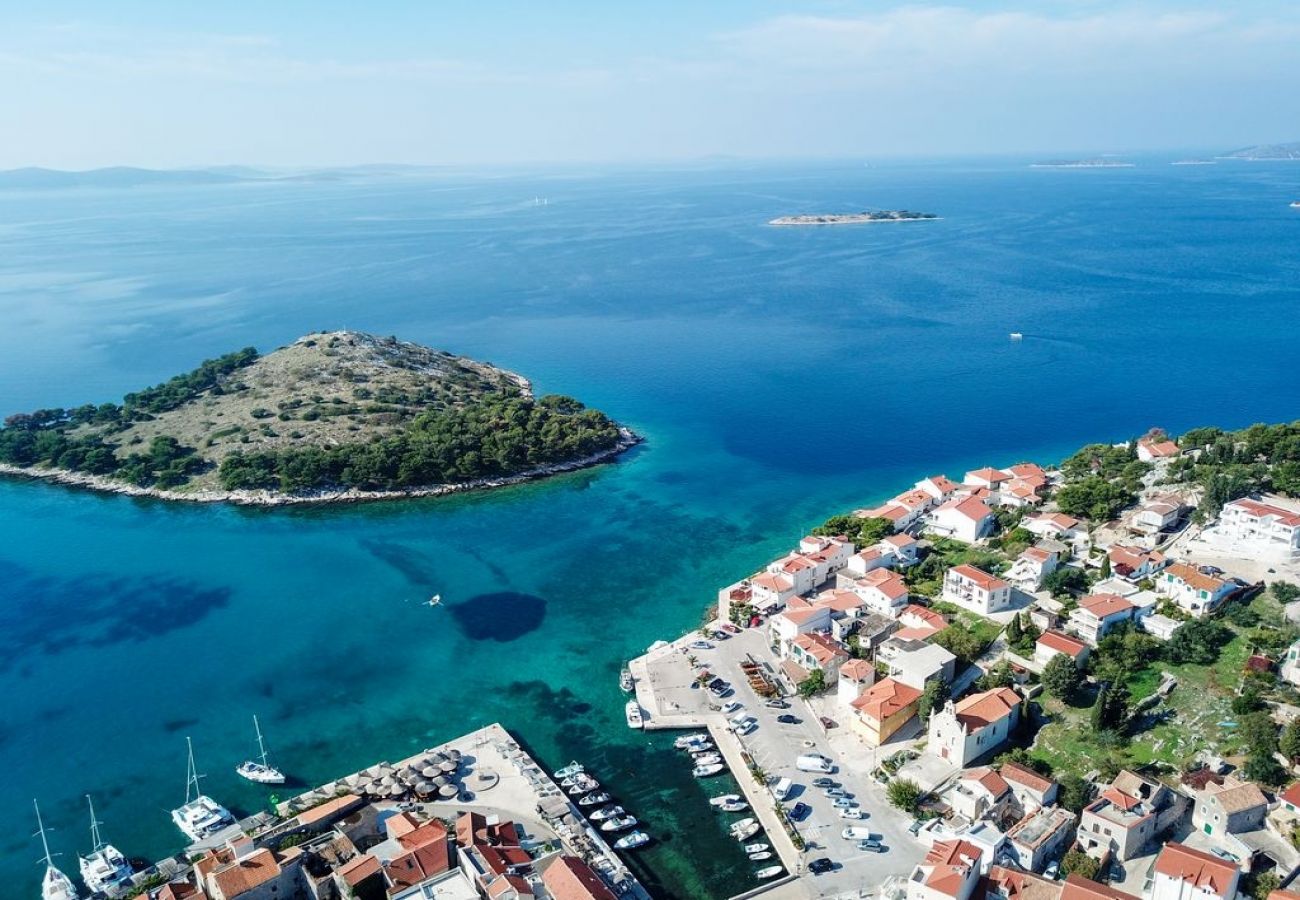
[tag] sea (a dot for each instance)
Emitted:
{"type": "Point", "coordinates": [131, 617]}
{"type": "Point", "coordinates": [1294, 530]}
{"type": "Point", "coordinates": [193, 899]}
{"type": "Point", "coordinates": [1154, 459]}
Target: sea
{"type": "Point", "coordinates": [779, 376]}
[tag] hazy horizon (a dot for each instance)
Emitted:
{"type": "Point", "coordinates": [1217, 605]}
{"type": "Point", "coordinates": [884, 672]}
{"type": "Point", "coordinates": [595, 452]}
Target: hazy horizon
{"type": "Point", "coordinates": [299, 84]}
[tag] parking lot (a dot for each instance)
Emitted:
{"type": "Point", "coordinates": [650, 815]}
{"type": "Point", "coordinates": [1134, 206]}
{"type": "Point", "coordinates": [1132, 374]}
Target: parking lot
{"type": "Point", "coordinates": [775, 746]}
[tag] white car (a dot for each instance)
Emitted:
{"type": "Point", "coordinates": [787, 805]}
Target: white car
{"type": "Point", "coordinates": [851, 813]}
{"type": "Point", "coordinates": [731, 706]}
{"type": "Point", "coordinates": [700, 645]}
{"type": "Point", "coordinates": [746, 727]}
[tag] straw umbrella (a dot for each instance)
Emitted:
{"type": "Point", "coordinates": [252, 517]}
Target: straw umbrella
{"type": "Point", "coordinates": [430, 771]}
{"type": "Point", "coordinates": [448, 766]}
{"type": "Point", "coordinates": [448, 790]}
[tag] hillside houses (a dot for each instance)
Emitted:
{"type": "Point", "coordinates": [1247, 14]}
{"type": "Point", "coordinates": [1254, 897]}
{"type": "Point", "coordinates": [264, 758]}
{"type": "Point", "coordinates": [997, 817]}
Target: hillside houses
{"type": "Point", "coordinates": [1263, 528]}
{"type": "Point", "coordinates": [974, 726]}
{"type": "Point", "coordinates": [1194, 588]}
{"type": "Point", "coordinates": [974, 589]}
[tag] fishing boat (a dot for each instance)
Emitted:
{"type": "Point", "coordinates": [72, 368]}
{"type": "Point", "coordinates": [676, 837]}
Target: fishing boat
{"type": "Point", "coordinates": [707, 771]}
{"type": "Point", "coordinates": [723, 800]}
{"type": "Point", "coordinates": [735, 806]}
{"type": "Point", "coordinates": [625, 681]}
{"type": "Point", "coordinates": [201, 817]}
{"type": "Point", "coordinates": [757, 848]}
{"type": "Point", "coordinates": [632, 841]}
{"type": "Point", "coordinates": [594, 798]}
{"type": "Point", "coordinates": [768, 872]}
{"type": "Point", "coordinates": [634, 717]}
{"type": "Point", "coordinates": [608, 812]}
{"type": "Point", "coordinates": [260, 770]}
{"type": "Point", "coordinates": [685, 741]}
{"type": "Point", "coordinates": [618, 823]}
{"type": "Point", "coordinates": [572, 769]}
{"type": "Point", "coordinates": [55, 885]}
{"type": "Point", "coordinates": [745, 829]}
{"type": "Point", "coordinates": [761, 855]}
{"type": "Point", "coordinates": [105, 867]}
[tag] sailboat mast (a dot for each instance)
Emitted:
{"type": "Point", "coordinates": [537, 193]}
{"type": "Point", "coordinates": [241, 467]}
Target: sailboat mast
{"type": "Point", "coordinates": [191, 774]}
{"type": "Point", "coordinates": [261, 747]}
{"type": "Point", "coordinates": [96, 843]}
{"type": "Point", "coordinates": [40, 826]}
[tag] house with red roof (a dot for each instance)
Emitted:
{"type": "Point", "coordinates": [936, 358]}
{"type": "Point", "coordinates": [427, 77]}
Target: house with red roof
{"type": "Point", "coordinates": [1181, 873]}
{"type": "Point", "coordinates": [1156, 447]}
{"type": "Point", "coordinates": [962, 518]}
{"type": "Point", "coordinates": [1195, 589]}
{"type": "Point", "coordinates": [856, 675]}
{"type": "Point", "coordinates": [818, 652]}
{"type": "Point", "coordinates": [1077, 887]}
{"type": "Point", "coordinates": [979, 793]}
{"type": "Point", "coordinates": [949, 871]}
{"type": "Point", "coordinates": [883, 591]}
{"type": "Point", "coordinates": [1128, 816]}
{"type": "Point", "coordinates": [940, 487]}
{"type": "Point", "coordinates": [1052, 525]}
{"type": "Point", "coordinates": [571, 878]}
{"type": "Point", "coordinates": [883, 709]}
{"type": "Point", "coordinates": [795, 620]}
{"type": "Point", "coordinates": [976, 590]}
{"type": "Point", "coordinates": [1265, 529]}
{"type": "Point", "coordinates": [1097, 614]}
{"type": "Point", "coordinates": [1035, 563]}
{"type": "Point", "coordinates": [919, 623]}
{"type": "Point", "coordinates": [1054, 643]}
{"type": "Point", "coordinates": [1030, 789]}
{"type": "Point", "coordinates": [987, 477]}
{"type": "Point", "coordinates": [966, 729]}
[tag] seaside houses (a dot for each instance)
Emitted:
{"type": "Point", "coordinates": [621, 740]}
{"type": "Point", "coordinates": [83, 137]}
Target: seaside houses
{"type": "Point", "coordinates": [571, 878]}
{"type": "Point", "coordinates": [1035, 563]}
{"type": "Point", "coordinates": [883, 709]}
{"type": "Point", "coordinates": [987, 477]}
{"type": "Point", "coordinates": [1052, 525]}
{"type": "Point", "coordinates": [949, 871]}
{"type": "Point", "coordinates": [1261, 528]}
{"type": "Point", "coordinates": [1194, 588]}
{"type": "Point", "coordinates": [1030, 789]}
{"type": "Point", "coordinates": [967, 729]}
{"type": "Point", "coordinates": [902, 511]}
{"type": "Point", "coordinates": [940, 487]}
{"type": "Point", "coordinates": [1055, 643]}
{"type": "Point", "coordinates": [1154, 448]}
{"type": "Point", "coordinates": [1097, 614]}
{"type": "Point", "coordinates": [1134, 563]}
{"type": "Point", "coordinates": [976, 590]}
{"type": "Point", "coordinates": [1041, 836]}
{"type": "Point", "coordinates": [966, 519]}
{"type": "Point", "coordinates": [856, 675]}
{"type": "Point", "coordinates": [881, 591]}
{"type": "Point", "coordinates": [916, 663]}
{"type": "Point", "coordinates": [1128, 817]}
{"type": "Point", "coordinates": [817, 652]}
{"type": "Point", "coordinates": [787, 625]}
{"type": "Point", "coordinates": [1229, 808]}
{"type": "Point", "coordinates": [1181, 873]}
{"type": "Point", "coordinates": [1157, 514]}
{"type": "Point", "coordinates": [898, 551]}
{"type": "Point", "coordinates": [919, 623]}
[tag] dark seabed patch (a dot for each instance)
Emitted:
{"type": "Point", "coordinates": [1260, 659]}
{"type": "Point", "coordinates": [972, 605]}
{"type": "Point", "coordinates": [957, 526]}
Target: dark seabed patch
{"type": "Point", "coordinates": [413, 565]}
{"type": "Point", "coordinates": [501, 616]}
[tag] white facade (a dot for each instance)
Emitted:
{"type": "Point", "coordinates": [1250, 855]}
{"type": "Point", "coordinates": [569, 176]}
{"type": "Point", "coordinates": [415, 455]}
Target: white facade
{"type": "Point", "coordinates": [967, 519]}
{"type": "Point", "coordinates": [976, 590]}
{"type": "Point", "coordinates": [1266, 529]}
{"type": "Point", "coordinates": [1195, 592]}
{"type": "Point", "coordinates": [914, 663]}
{"type": "Point", "coordinates": [974, 726]}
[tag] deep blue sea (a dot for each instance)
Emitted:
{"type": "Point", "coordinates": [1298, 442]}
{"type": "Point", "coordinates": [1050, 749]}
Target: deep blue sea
{"type": "Point", "coordinates": [779, 375]}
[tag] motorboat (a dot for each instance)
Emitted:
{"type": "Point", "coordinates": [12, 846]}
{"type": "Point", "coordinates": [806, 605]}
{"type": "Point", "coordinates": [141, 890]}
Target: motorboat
{"type": "Point", "coordinates": [572, 769]}
{"type": "Point", "coordinates": [707, 771]}
{"type": "Point", "coordinates": [707, 759]}
{"type": "Point", "coordinates": [1016, 336]}
{"type": "Point", "coordinates": [607, 812]}
{"type": "Point", "coordinates": [594, 798]}
{"type": "Point", "coordinates": [55, 885]}
{"type": "Point", "coordinates": [757, 848]}
{"type": "Point", "coordinates": [260, 770]}
{"type": "Point", "coordinates": [768, 872]}
{"type": "Point", "coordinates": [736, 806]}
{"type": "Point", "coordinates": [685, 741]}
{"type": "Point", "coordinates": [701, 747]}
{"type": "Point", "coordinates": [745, 829]}
{"type": "Point", "coordinates": [626, 682]}
{"type": "Point", "coordinates": [723, 799]}
{"type": "Point", "coordinates": [634, 716]}
{"type": "Point", "coordinates": [583, 784]}
{"type": "Point", "coordinates": [105, 868]}
{"type": "Point", "coordinates": [618, 823]}
{"type": "Point", "coordinates": [761, 855]}
{"type": "Point", "coordinates": [632, 841]}
{"type": "Point", "coordinates": [200, 817]}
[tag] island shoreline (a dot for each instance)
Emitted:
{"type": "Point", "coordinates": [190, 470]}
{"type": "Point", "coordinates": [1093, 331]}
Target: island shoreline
{"type": "Point", "coordinates": [268, 498]}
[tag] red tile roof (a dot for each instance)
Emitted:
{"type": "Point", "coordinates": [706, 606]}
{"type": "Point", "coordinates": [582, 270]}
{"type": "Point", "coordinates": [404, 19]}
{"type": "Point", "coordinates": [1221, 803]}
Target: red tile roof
{"type": "Point", "coordinates": [1105, 605]}
{"type": "Point", "coordinates": [951, 864]}
{"type": "Point", "coordinates": [1079, 888]}
{"type": "Point", "coordinates": [570, 878]}
{"type": "Point", "coordinates": [887, 581]}
{"type": "Point", "coordinates": [1062, 643]}
{"type": "Point", "coordinates": [1202, 870]}
{"type": "Point", "coordinates": [1262, 510]}
{"type": "Point", "coordinates": [981, 578]}
{"type": "Point", "coordinates": [989, 474]}
{"type": "Point", "coordinates": [245, 874]}
{"type": "Point", "coordinates": [1292, 794]}
{"type": "Point", "coordinates": [885, 699]}
{"type": "Point", "coordinates": [983, 709]}
{"type": "Point", "coordinates": [1023, 775]}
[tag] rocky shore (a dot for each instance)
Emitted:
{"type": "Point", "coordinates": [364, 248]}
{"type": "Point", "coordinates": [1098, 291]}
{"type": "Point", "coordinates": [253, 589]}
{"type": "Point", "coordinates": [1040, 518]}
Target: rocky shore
{"type": "Point", "coordinates": [627, 440]}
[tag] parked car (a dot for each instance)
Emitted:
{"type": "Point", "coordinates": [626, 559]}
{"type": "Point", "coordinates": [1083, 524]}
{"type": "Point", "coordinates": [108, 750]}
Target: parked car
{"type": "Point", "coordinates": [828, 724]}
{"type": "Point", "coordinates": [820, 865]}
{"type": "Point", "coordinates": [873, 845]}
{"type": "Point", "coordinates": [776, 703]}
{"type": "Point", "coordinates": [835, 792]}
{"type": "Point", "coordinates": [800, 811]}
{"type": "Point", "coordinates": [844, 803]}
{"type": "Point", "coordinates": [746, 727]}
{"type": "Point", "coordinates": [731, 706]}
{"type": "Point", "coordinates": [825, 783]}
{"type": "Point", "coordinates": [787, 719]}
{"type": "Point", "coordinates": [851, 812]}
{"type": "Point", "coordinates": [719, 635]}
{"type": "Point", "coordinates": [814, 762]}
{"type": "Point", "coordinates": [856, 833]}
{"type": "Point", "coordinates": [700, 645]}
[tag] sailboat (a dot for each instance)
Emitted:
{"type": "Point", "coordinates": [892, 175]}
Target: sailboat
{"type": "Point", "coordinates": [105, 868]}
{"type": "Point", "coordinates": [201, 817]}
{"type": "Point", "coordinates": [262, 772]}
{"type": "Point", "coordinates": [55, 885]}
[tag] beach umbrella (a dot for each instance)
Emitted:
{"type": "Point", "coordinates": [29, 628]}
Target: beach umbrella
{"type": "Point", "coordinates": [448, 766]}
{"type": "Point", "coordinates": [425, 787]}
{"type": "Point", "coordinates": [454, 754]}
{"type": "Point", "coordinates": [430, 771]}
{"type": "Point", "coordinates": [441, 780]}
{"type": "Point", "coordinates": [448, 790]}
{"type": "Point", "coordinates": [396, 790]}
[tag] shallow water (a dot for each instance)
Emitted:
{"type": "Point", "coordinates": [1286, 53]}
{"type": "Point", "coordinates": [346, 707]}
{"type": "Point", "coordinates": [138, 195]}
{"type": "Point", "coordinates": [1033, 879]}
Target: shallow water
{"type": "Point", "coordinates": [779, 375]}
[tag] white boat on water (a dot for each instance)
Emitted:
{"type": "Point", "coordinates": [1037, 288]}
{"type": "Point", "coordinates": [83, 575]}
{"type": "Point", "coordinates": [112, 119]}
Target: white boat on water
{"type": "Point", "coordinates": [105, 867]}
{"type": "Point", "coordinates": [634, 717]}
{"type": "Point", "coordinates": [201, 817]}
{"type": "Point", "coordinates": [750, 829]}
{"type": "Point", "coordinates": [632, 841]}
{"type": "Point", "coordinates": [55, 885]}
{"type": "Point", "coordinates": [594, 798]}
{"type": "Point", "coordinates": [1017, 336]}
{"type": "Point", "coordinates": [618, 823]}
{"type": "Point", "coordinates": [768, 872]}
{"type": "Point", "coordinates": [724, 799]}
{"type": "Point", "coordinates": [583, 784]}
{"type": "Point", "coordinates": [685, 741]}
{"type": "Point", "coordinates": [757, 848]}
{"type": "Point", "coordinates": [737, 806]}
{"type": "Point", "coordinates": [260, 770]}
{"type": "Point", "coordinates": [572, 769]}
{"type": "Point", "coordinates": [625, 681]}
{"type": "Point", "coordinates": [707, 771]}
{"type": "Point", "coordinates": [761, 855]}
{"type": "Point", "coordinates": [608, 812]}
{"type": "Point", "coordinates": [708, 759]}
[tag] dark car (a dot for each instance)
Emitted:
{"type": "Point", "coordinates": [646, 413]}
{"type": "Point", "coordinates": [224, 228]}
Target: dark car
{"type": "Point", "coordinates": [800, 811]}
{"type": "Point", "coordinates": [825, 782]}
{"type": "Point", "coordinates": [820, 865]}
{"type": "Point", "coordinates": [787, 719]}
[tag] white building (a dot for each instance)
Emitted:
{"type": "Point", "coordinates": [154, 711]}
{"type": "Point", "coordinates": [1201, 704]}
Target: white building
{"type": "Point", "coordinates": [1054, 643]}
{"type": "Point", "coordinates": [1290, 669]}
{"type": "Point", "coordinates": [1134, 563]}
{"type": "Point", "coordinates": [785, 626]}
{"type": "Point", "coordinates": [898, 551]}
{"type": "Point", "coordinates": [1157, 514]}
{"type": "Point", "coordinates": [964, 518]}
{"type": "Point", "coordinates": [1181, 873]}
{"type": "Point", "coordinates": [882, 591]}
{"type": "Point", "coordinates": [1034, 564]}
{"type": "Point", "coordinates": [914, 663]}
{"type": "Point", "coordinates": [987, 477]}
{"type": "Point", "coordinates": [1264, 528]}
{"type": "Point", "coordinates": [856, 676]}
{"type": "Point", "coordinates": [973, 726]}
{"type": "Point", "coordinates": [950, 871]}
{"type": "Point", "coordinates": [1153, 449]}
{"type": "Point", "coordinates": [1097, 614]}
{"type": "Point", "coordinates": [940, 487]}
{"type": "Point", "coordinates": [1196, 591]}
{"type": "Point", "coordinates": [976, 590]}
{"type": "Point", "coordinates": [1052, 525]}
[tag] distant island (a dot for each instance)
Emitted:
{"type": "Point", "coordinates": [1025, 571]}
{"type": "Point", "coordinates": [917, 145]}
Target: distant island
{"type": "Point", "coordinates": [882, 215]}
{"type": "Point", "coordinates": [1193, 162]}
{"type": "Point", "coordinates": [1081, 164]}
{"type": "Point", "coordinates": [334, 416]}
{"type": "Point", "coordinates": [1266, 152]}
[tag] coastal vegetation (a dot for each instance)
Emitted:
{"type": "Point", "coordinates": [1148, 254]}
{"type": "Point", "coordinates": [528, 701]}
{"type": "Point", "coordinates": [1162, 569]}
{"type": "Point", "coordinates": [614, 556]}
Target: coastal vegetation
{"type": "Point", "coordinates": [331, 412]}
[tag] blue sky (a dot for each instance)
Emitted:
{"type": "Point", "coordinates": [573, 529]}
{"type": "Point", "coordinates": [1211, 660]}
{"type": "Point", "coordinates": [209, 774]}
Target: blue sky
{"type": "Point", "coordinates": [297, 83]}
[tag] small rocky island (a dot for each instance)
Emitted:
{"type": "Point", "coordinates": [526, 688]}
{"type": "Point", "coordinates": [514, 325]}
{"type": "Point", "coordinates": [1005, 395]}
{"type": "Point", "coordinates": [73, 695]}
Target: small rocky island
{"type": "Point", "coordinates": [334, 416]}
{"type": "Point", "coordinates": [882, 215]}
{"type": "Point", "coordinates": [1266, 152]}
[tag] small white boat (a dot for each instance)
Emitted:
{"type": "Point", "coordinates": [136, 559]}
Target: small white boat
{"type": "Point", "coordinates": [707, 771]}
{"type": "Point", "coordinates": [632, 841]}
{"type": "Point", "coordinates": [55, 885]}
{"type": "Point", "coordinates": [201, 817]}
{"type": "Point", "coordinates": [573, 768]}
{"type": "Point", "coordinates": [757, 848]}
{"type": "Point", "coordinates": [625, 681]}
{"type": "Point", "coordinates": [608, 812]}
{"type": "Point", "coordinates": [594, 798]}
{"type": "Point", "coordinates": [707, 759]}
{"type": "Point", "coordinates": [744, 834]}
{"type": "Point", "coordinates": [105, 868]}
{"type": "Point", "coordinates": [619, 823]}
{"type": "Point", "coordinates": [742, 824]}
{"type": "Point", "coordinates": [768, 872]}
{"type": "Point", "coordinates": [737, 806]}
{"type": "Point", "coordinates": [262, 772]}
{"type": "Point", "coordinates": [723, 799]}
{"type": "Point", "coordinates": [1016, 336]}
{"type": "Point", "coordinates": [584, 784]}
{"type": "Point", "coordinates": [435, 600]}
{"type": "Point", "coordinates": [761, 855]}
{"type": "Point", "coordinates": [685, 741]}
{"type": "Point", "coordinates": [634, 717]}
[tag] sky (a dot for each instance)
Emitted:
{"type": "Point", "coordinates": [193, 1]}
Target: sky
{"type": "Point", "coordinates": [296, 83]}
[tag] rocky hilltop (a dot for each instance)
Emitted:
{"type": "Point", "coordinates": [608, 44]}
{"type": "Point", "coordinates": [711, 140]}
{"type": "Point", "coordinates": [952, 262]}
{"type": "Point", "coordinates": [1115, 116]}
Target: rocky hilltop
{"type": "Point", "coordinates": [332, 416]}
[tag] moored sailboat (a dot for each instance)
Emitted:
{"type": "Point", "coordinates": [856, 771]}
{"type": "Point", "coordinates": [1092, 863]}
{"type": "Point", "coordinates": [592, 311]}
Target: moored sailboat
{"type": "Point", "coordinates": [200, 817]}
{"type": "Point", "coordinates": [55, 885]}
{"type": "Point", "coordinates": [260, 770]}
{"type": "Point", "coordinates": [105, 867]}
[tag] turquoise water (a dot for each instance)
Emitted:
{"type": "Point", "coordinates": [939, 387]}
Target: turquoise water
{"type": "Point", "coordinates": [779, 375]}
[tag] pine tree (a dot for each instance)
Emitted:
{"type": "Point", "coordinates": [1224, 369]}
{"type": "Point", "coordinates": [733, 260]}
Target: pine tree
{"type": "Point", "coordinates": [1014, 631]}
{"type": "Point", "coordinates": [1097, 716]}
